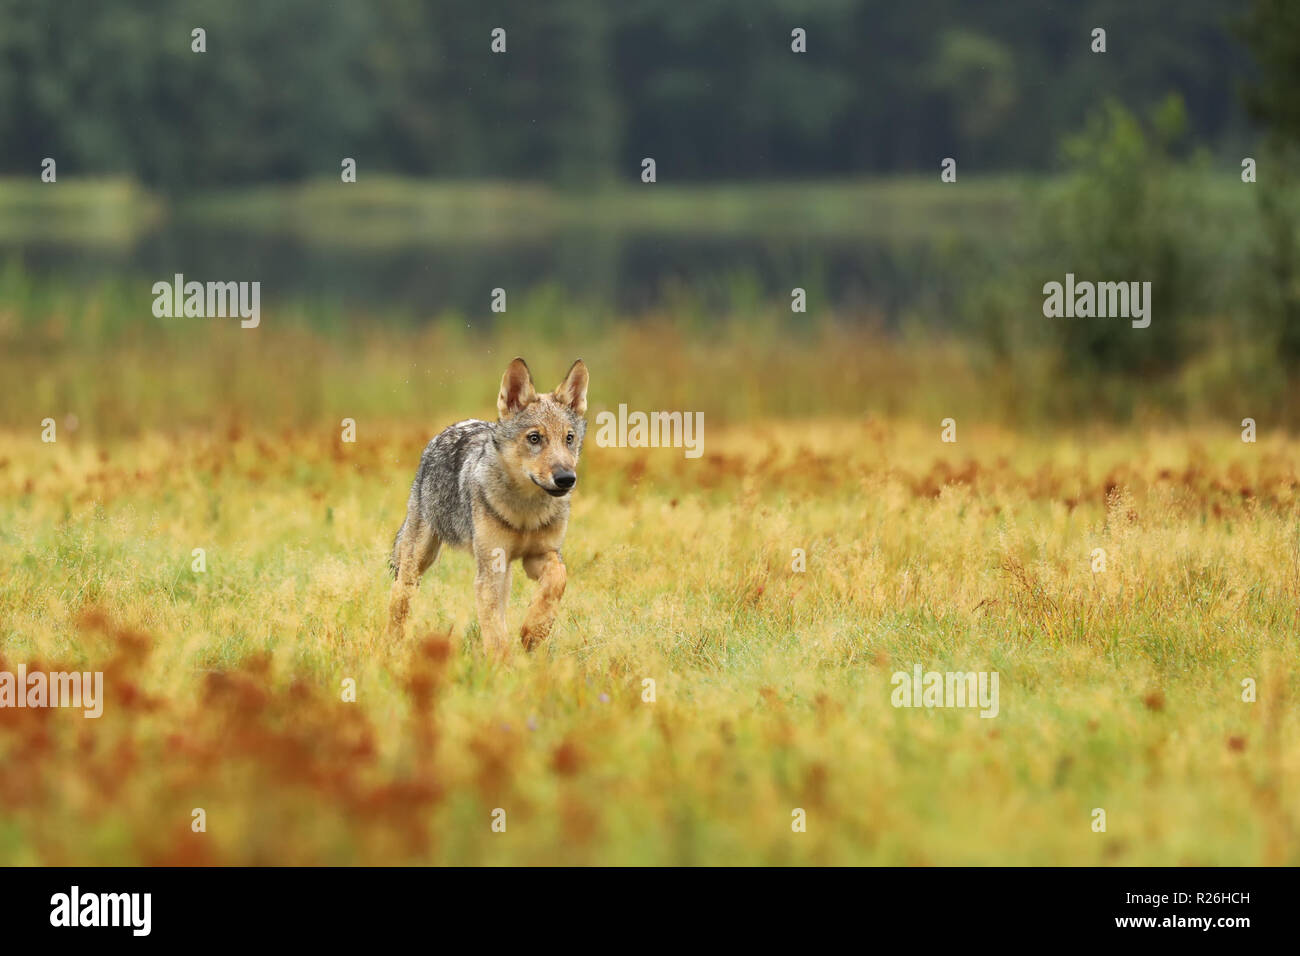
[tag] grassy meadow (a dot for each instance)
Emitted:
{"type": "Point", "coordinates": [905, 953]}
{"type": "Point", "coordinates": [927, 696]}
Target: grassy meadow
{"type": "Point", "coordinates": [1119, 689]}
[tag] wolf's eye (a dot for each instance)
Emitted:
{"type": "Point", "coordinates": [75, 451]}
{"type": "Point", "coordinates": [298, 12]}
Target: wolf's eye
{"type": "Point", "coordinates": [568, 439]}
{"type": "Point", "coordinates": [534, 438]}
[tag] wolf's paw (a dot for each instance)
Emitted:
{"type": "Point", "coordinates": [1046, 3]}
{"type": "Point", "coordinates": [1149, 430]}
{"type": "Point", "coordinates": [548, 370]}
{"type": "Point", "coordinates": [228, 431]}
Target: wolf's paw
{"type": "Point", "coordinates": [530, 637]}
{"type": "Point", "coordinates": [396, 624]}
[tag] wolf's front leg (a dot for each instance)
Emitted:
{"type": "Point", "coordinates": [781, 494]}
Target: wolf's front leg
{"type": "Point", "coordinates": [549, 573]}
{"type": "Point", "coordinates": [492, 591]}
{"type": "Point", "coordinates": [399, 599]}
{"type": "Point", "coordinates": [399, 606]}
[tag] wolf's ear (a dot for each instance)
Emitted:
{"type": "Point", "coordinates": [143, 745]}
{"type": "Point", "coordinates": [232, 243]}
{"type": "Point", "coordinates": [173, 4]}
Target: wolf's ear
{"type": "Point", "coordinates": [573, 390]}
{"type": "Point", "coordinates": [516, 389]}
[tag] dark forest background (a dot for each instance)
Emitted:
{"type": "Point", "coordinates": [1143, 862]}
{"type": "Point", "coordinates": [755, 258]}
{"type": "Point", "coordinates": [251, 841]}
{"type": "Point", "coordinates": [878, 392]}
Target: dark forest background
{"type": "Point", "coordinates": [586, 89]}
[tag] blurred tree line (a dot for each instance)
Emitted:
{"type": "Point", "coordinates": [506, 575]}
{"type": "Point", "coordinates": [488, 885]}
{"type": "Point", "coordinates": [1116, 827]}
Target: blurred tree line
{"type": "Point", "coordinates": [1272, 30]}
{"type": "Point", "coordinates": [710, 88]}
{"type": "Point", "coordinates": [1134, 199]}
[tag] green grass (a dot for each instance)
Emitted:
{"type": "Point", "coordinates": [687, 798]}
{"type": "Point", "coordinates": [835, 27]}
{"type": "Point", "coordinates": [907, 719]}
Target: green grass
{"type": "Point", "coordinates": [1119, 690]}
{"type": "Point", "coordinates": [381, 209]}
{"type": "Point", "coordinates": [97, 210]}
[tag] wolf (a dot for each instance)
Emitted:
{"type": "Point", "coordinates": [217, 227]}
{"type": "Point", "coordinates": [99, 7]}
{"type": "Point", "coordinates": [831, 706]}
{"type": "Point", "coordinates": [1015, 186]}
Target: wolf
{"type": "Point", "coordinates": [500, 490]}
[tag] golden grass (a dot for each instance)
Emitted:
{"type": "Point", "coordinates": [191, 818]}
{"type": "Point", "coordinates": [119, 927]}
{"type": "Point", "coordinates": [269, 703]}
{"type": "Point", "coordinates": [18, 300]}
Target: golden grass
{"type": "Point", "coordinates": [1119, 690]}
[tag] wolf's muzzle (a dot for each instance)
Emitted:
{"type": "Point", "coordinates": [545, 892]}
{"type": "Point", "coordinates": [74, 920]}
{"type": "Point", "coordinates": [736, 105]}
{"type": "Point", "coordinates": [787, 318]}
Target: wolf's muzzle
{"type": "Point", "coordinates": [564, 482]}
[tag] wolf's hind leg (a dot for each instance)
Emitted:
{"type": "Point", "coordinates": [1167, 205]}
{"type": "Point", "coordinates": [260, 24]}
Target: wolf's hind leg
{"type": "Point", "coordinates": [415, 551]}
{"type": "Point", "coordinates": [549, 573]}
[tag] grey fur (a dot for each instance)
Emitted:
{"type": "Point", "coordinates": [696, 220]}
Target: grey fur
{"type": "Point", "coordinates": [501, 491]}
{"type": "Point", "coordinates": [462, 463]}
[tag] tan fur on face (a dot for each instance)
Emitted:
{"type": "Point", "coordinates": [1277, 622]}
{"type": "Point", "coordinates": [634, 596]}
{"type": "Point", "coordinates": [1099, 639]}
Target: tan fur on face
{"type": "Point", "coordinates": [547, 420]}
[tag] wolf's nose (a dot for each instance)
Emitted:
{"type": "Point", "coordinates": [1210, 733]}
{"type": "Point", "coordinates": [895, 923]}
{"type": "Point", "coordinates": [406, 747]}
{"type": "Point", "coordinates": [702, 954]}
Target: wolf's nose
{"type": "Point", "coordinates": [564, 479]}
